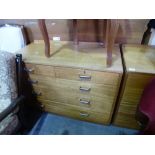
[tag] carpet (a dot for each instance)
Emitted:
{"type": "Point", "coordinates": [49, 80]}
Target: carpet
{"type": "Point", "coordinates": [50, 124]}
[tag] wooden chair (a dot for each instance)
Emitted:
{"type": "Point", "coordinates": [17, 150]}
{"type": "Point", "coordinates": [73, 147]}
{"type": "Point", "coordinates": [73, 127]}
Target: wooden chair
{"type": "Point", "coordinates": [112, 26]}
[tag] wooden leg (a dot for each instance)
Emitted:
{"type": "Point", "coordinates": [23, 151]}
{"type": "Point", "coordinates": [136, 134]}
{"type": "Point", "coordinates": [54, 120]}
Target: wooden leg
{"type": "Point", "coordinates": [146, 36]}
{"type": "Point", "coordinates": [75, 31]}
{"type": "Point", "coordinates": [111, 33]}
{"type": "Point", "coordinates": [43, 29]}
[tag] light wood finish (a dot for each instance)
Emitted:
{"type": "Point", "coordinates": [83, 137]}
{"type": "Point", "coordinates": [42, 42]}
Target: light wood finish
{"type": "Point", "coordinates": [74, 79]}
{"type": "Point", "coordinates": [101, 97]}
{"type": "Point", "coordinates": [95, 89]}
{"type": "Point", "coordinates": [87, 55]}
{"type": "Point", "coordinates": [40, 70]}
{"type": "Point", "coordinates": [95, 76]}
{"type": "Point", "coordinates": [139, 71]}
{"type": "Point", "coordinates": [139, 58]}
{"type": "Point", "coordinates": [127, 120]}
{"type": "Point", "coordinates": [75, 112]}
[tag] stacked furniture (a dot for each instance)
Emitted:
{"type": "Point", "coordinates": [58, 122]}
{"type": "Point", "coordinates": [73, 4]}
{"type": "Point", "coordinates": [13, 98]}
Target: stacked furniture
{"type": "Point", "coordinates": [75, 81]}
{"type": "Point", "coordinates": [110, 34]}
{"type": "Point", "coordinates": [139, 66]}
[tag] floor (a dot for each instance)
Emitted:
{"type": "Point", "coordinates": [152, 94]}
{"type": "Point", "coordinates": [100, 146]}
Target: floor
{"type": "Point", "coordinates": [50, 124]}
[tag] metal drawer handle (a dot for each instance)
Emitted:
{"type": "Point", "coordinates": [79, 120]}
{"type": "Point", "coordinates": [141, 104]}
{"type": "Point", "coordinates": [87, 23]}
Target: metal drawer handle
{"type": "Point", "coordinates": [37, 93]}
{"type": "Point", "coordinates": [85, 77]}
{"type": "Point", "coordinates": [33, 81]}
{"type": "Point", "coordinates": [30, 70]}
{"type": "Point", "coordinates": [84, 89]}
{"type": "Point", "coordinates": [84, 101]}
{"type": "Point", "coordinates": [84, 114]}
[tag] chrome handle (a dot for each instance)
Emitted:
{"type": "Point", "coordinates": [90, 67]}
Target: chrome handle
{"type": "Point", "coordinates": [37, 93]}
{"type": "Point", "coordinates": [84, 89]}
{"type": "Point", "coordinates": [33, 81]}
{"type": "Point", "coordinates": [85, 77]}
{"type": "Point", "coordinates": [84, 101]}
{"type": "Point", "coordinates": [30, 70]}
{"type": "Point", "coordinates": [84, 114]}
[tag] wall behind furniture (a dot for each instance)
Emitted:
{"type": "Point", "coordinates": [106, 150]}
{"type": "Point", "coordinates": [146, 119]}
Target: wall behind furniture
{"type": "Point", "coordinates": [130, 31]}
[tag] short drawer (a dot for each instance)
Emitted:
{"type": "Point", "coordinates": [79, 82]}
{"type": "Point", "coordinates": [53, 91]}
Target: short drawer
{"type": "Point", "coordinates": [87, 75]}
{"type": "Point", "coordinates": [76, 112]}
{"type": "Point", "coordinates": [40, 69]}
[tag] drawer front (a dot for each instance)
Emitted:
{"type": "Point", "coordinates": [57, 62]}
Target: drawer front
{"type": "Point", "coordinates": [68, 97]}
{"type": "Point", "coordinates": [87, 75]}
{"type": "Point", "coordinates": [98, 97]}
{"type": "Point", "coordinates": [76, 112]}
{"type": "Point", "coordinates": [40, 70]}
{"type": "Point", "coordinates": [78, 87]}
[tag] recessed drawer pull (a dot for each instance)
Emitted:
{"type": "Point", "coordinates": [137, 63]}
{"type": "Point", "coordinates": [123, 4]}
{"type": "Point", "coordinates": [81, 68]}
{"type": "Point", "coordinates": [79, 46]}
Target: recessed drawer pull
{"type": "Point", "coordinates": [84, 101]}
{"type": "Point", "coordinates": [84, 89]}
{"type": "Point", "coordinates": [85, 77]}
{"type": "Point", "coordinates": [37, 93]}
{"type": "Point", "coordinates": [33, 81]}
{"type": "Point", "coordinates": [30, 70]}
{"type": "Point", "coordinates": [84, 114]}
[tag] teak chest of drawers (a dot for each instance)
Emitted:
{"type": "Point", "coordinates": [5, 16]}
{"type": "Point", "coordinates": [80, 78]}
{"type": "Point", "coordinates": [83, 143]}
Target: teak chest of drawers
{"type": "Point", "coordinates": [75, 81]}
{"type": "Point", "coordinates": [139, 63]}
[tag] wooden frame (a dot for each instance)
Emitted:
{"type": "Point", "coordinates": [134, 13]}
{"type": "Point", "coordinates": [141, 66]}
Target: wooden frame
{"type": "Point", "coordinates": [112, 26]}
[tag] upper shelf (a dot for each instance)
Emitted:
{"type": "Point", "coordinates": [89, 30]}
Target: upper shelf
{"type": "Point", "coordinates": [85, 55]}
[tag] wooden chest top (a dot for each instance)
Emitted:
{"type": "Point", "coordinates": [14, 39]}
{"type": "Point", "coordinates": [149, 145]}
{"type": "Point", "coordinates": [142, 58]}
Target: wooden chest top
{"type": "Point", "coordinates": [139, 58]}
{"type": "Point", "coordinates": [85, 55]}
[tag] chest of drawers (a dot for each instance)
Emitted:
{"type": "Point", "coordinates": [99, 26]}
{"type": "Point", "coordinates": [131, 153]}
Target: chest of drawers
{"type": "Point", "coordinates": [139, 63]}
{"type": "Point", "coordinates": [75, 81]}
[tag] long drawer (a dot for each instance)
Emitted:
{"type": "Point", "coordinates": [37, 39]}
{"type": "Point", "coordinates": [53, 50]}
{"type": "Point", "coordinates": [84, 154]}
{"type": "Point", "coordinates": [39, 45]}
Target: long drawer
{"type": "Point", "coordinates": [76, 112]}
{"type": "Point", "coordinates": [78, 87]}
{"type": "Point", "coordinates": [93, 103]}
{"type": "Point", "coordinates": [87, 75]}
{"type": "Point", "coordinates": [74, 74]}
{"type": "Point", "coordinates": [98, 98]}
